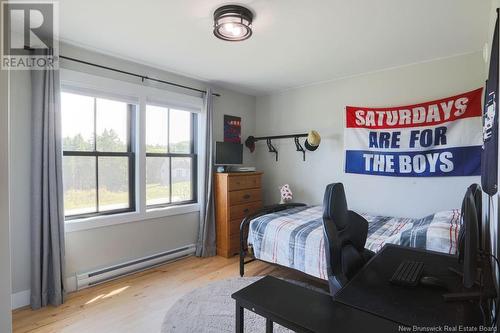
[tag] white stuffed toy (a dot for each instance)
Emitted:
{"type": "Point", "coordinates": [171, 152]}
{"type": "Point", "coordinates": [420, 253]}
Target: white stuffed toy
{"type": "Point", "coordinates": [286, 194]}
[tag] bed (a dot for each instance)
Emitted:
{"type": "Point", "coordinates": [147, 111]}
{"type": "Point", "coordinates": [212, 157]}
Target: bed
{"type": "Point", "coordinates": [293, 237]}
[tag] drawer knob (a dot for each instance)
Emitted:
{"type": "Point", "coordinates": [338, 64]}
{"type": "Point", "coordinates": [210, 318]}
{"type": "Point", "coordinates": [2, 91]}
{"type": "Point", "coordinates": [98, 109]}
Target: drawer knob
{"type": "Point", "coordinates": [246, 210]}
{"type": "Point", "coordinates": [246, 196]}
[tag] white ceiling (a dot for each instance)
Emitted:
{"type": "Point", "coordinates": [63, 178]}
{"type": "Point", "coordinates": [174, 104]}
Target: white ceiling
{"type": "Point", "coordinates": [295, 42]}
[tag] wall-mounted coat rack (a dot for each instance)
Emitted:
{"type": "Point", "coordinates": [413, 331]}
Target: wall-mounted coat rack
{"type": "Point", "coordinates": [311, 143]}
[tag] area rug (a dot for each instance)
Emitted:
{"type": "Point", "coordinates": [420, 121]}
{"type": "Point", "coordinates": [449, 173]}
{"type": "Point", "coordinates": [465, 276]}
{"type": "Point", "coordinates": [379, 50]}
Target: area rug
{"type": "Point", "coordinates": [211, 309]}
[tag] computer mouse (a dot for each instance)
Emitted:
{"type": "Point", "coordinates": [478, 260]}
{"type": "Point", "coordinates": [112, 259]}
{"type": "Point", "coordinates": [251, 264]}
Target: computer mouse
{"type": "Point", "coordinates": [433, 282]}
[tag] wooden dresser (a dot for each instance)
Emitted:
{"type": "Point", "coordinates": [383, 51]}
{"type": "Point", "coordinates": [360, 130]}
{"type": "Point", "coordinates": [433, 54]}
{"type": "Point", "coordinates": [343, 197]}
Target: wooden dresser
{"type": "Point", "coordinates": [237, 194]}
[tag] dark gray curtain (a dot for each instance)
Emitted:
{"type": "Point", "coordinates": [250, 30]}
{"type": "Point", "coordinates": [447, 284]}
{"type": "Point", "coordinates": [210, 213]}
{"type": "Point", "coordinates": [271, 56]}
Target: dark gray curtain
{"type": "Point", "coordinates": [206, 237]}
{"type": "Point", "coordinates": [47, 213]}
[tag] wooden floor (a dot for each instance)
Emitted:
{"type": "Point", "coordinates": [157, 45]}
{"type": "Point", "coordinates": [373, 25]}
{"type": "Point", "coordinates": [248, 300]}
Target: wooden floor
{"type": "Point", "coordinates": [137, 303]}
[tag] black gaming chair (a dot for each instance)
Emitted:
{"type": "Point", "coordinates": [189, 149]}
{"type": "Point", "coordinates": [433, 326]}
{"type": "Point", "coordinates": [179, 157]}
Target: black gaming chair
{"type": "Point", "coordinates": [345, 238]}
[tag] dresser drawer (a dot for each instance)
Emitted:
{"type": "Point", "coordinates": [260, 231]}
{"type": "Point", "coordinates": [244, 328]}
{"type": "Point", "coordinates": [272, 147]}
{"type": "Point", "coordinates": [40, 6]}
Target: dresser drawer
{"type": "Point", "coordinates": [244, 196]}
{"type": "Point", "coordinates": [237, 195]}
{"type": "Point", "coordinates": [240, 211]}
{"type": "Point", "coordinates": [243, 182]}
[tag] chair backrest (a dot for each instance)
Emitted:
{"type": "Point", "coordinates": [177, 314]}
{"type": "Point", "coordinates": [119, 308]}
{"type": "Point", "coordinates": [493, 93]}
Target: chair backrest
{"type": "Point", "coordinates": [345, 237]}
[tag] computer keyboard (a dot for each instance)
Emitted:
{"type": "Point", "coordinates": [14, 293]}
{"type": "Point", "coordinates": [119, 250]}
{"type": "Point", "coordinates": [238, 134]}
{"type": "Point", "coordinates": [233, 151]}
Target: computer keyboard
{"type": "Point", "coordinates": [408, 273]}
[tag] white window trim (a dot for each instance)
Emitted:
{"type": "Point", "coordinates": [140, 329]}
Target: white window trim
{"type": "Point", "coordinates": [131, 217]}
{"type": "Point", "coordinates": [81, 82]}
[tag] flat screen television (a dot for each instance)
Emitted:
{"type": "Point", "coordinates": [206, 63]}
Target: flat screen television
{"type": "Point", "coordinates": [228, 153]}
{"type": "Point", "coordinates": [469, 239]}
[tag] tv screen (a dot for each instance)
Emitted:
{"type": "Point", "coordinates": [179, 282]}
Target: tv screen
{"type": "Point", "coordinates": [228, 153]}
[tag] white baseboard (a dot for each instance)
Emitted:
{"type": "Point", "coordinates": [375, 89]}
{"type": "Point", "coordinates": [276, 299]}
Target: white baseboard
{"type": "Point", "coordinates": [20, 299]}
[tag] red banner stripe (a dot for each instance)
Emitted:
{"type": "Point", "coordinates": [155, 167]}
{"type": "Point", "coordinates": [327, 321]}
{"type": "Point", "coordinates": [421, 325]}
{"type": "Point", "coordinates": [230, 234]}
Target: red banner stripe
{"type": "Point", "coordinates": [431, 113]}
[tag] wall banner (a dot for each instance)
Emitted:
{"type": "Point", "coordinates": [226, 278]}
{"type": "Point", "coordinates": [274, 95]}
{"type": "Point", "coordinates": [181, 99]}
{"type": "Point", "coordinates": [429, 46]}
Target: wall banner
{"type": "Point", "coordinates": [433, 139]}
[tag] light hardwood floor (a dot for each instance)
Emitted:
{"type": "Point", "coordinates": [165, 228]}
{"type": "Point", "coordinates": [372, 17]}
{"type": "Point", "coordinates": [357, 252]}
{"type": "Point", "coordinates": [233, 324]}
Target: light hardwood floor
{"type": "Point", "coordinates": [137, 303]}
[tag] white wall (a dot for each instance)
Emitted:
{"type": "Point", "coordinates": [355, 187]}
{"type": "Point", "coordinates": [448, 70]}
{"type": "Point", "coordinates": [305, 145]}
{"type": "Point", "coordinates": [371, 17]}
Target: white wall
{"type": "Point", "coordinates": [97, 248]}
{"type": "Point", "coordinates": [20, 161]}
{"type": "Point", "coordinates": [100, 247]}
{"type": "Point", "coordinates": [321, 107]}
{"type": "Point", "coordinates": [5, 275]}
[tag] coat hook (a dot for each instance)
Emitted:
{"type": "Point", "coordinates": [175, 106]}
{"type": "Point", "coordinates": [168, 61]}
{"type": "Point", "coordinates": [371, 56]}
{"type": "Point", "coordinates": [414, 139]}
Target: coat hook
{"type": "Point", "coordinates": [271, 148]}
{"type": "Point", "coordinates": [312, 142]}
{"type": "Point", "coordinates": [299, 147]}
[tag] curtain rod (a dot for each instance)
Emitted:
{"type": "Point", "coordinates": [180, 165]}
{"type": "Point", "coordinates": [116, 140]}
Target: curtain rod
{"type": "Point", "coordinates": [143, 77]}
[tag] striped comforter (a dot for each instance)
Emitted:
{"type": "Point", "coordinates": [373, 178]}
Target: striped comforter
{"type": "Point", "coordinates": [294, 237]}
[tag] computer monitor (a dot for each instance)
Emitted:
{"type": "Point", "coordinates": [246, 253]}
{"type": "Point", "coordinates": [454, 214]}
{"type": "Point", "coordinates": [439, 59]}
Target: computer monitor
{"type": "Point", "coordinates": [469, 237]}
{"type": "Point", "coordinates": [477, 193]}
{"type": "Point", "coordinates": [471, 257]}
{"type": "Point", "coordinates": [228, 153]}
{"type": "Point", "coordinates": [471, 249]}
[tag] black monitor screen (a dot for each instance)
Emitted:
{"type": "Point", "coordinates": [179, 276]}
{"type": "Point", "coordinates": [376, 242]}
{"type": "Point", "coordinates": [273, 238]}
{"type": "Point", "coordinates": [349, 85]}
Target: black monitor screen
{"type": "Point", "coordinates": [228, 153]}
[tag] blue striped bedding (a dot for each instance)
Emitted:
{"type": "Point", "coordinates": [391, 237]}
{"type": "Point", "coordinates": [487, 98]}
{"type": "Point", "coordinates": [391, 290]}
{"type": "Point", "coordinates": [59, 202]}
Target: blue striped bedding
{"type": "Point", "coordinates": [294, 237]}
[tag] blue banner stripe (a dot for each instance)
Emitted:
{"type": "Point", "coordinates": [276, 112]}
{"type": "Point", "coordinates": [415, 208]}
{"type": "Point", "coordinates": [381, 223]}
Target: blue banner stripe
{"type": "Point", "coordinates": [457, 161]}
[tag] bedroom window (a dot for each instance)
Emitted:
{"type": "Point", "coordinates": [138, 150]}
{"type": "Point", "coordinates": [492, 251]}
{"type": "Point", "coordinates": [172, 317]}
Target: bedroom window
{"type": "Point", "coordinates": [170, 156]}
{"type": "Point", "coordinates": [98, 155]}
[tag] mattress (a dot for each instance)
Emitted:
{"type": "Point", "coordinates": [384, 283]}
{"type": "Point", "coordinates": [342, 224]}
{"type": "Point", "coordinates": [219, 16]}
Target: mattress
{"type": "Point", "coordinates": [294, 237]}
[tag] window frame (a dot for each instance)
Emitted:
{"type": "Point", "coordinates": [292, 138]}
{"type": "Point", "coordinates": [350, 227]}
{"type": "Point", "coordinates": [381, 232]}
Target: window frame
{"type": "Point", "coordinates": [134, 92]}
{"type": "Point", "coordinates": [193, 155]}
{"type": "Point", "coordinates": [132, 109]}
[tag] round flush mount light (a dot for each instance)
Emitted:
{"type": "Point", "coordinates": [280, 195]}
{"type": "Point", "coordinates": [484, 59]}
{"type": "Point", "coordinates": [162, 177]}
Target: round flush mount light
{"type": "Point", "coordinates": [233, 23]}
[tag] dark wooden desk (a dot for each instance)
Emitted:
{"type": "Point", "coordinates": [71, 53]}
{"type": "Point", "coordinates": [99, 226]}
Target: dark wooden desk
{"type": "Point", "coordinates": [303, 310]}
{"type": "Point", "coordinates": [371, 291]}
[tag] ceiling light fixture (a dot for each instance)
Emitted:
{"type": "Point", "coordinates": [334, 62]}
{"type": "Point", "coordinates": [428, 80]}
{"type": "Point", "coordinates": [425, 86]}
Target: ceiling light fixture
{"type": "Point", "coordinates": [233, 23]}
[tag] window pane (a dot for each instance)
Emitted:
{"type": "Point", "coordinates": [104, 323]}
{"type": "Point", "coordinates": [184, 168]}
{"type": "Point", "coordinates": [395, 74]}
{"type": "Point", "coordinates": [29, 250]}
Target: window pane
{"type": "Point", "coordinates": [180, 131]}
{"type": "Point", "coordinates": [157, 180]}
{"type": "Point", "coordinates": [113, 183]}
{"type": "Point", "coordinates": [156, 129]}
{"type": "Point", "coordinates": [79, 185]}
{"type": "Point", "coordinates": [111, 125]}
{"type": "Point", "coordinates": [77, 116]}
{"type": "Point", "coordinates": [181, 179]}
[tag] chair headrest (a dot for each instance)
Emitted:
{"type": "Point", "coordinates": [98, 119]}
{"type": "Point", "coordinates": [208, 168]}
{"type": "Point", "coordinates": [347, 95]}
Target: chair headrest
{"type": "Point", "coordinates": [335, 204]}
